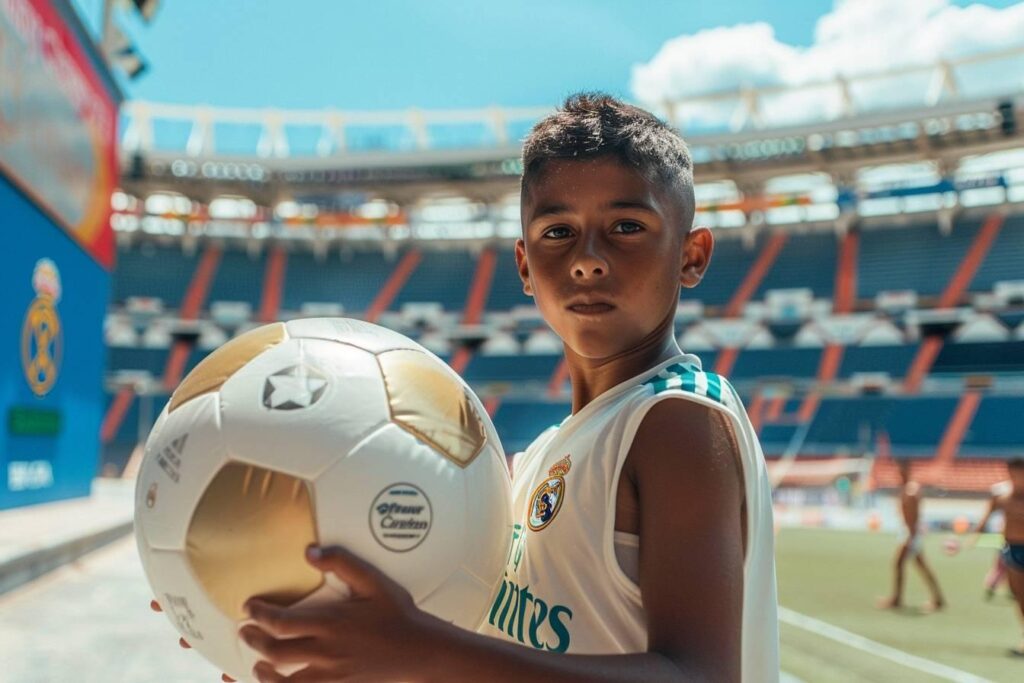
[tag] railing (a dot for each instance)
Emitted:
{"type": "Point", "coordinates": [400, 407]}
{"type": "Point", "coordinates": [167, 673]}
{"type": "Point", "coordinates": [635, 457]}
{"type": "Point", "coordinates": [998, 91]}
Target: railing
{"type": "Point", "coordinates": [216, 132]}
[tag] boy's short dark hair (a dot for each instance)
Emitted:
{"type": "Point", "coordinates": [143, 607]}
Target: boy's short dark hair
{"type": "Point", "coordinates": [593, 124]}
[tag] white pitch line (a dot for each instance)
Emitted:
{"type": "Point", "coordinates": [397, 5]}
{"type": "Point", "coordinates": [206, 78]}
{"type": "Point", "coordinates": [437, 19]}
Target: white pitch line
{"type": "Point", "coordinates": [853, 640]}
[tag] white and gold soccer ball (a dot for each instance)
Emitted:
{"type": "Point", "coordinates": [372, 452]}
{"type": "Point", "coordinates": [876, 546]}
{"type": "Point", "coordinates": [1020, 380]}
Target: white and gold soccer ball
{"type": "Point", "coordinates": [328, 431]}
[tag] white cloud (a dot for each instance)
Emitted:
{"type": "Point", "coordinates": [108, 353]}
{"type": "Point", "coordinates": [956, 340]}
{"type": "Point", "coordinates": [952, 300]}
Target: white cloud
{"type": "Point", "coordinates": [856, 37]}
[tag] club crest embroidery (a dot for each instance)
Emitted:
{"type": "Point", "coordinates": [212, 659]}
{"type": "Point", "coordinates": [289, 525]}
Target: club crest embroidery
{"type": "Point", "coordinates": [547, 499]}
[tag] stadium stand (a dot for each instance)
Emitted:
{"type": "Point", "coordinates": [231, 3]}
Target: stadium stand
{"type": "Point", "coordinates": [916, 258]}
{"type": "Point", "coordinates": [914, 425]}
{"type": "Point", "coordinates": [805, 261]}
{"type": "Point", "coordinates": [782, 362]}
{"type": "Point", "coordinates": [432, 292]}
{"type": "Point", "coordinates": [441, 277]}
{"type": "Point", "coordinates": [507, 289]}
{"type": "Point", "coordinates": [732, 259]}
{"type": "Point", "coordinates": [892, 360]}
{"type": "Point", "coordinates": [1004, 259]}
{"type": "Point", "coordinates": [235, 279]}
{"type": "Point", "coordinates": [155, 271]}
{"type": "Point", "coordinates": [997, 429]}
{"type": "Point", "coordinates": [519, 422]}
{"type": "Point", "coordinates": [353, 280]}
{"type": "Point", "coordinates": [976, 357]}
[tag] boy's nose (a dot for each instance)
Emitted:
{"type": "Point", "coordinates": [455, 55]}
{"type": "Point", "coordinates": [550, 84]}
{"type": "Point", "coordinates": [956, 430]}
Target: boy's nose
{"type": "Point", "coordinates": [588, 262]}
{"type": "Point", "coordinates": [586, 267]}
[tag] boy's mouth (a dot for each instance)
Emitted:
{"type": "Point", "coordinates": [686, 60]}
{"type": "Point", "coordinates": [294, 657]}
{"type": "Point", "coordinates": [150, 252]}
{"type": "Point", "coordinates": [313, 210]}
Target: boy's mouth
{"type": "Point", "coordinates": [592, 308]}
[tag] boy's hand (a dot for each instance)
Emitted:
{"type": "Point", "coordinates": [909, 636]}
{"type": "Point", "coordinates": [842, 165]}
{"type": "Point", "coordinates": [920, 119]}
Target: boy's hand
{"type": "Point", "coordinates": [351, 640]}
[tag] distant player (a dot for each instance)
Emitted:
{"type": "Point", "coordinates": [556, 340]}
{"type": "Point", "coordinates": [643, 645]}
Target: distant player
{"type": "Point", "coordinates": [911, 545]}
{"type": "Point", "coordinates": [997, 574]}
{"type": "Point", "coordinates": [1011, 504]}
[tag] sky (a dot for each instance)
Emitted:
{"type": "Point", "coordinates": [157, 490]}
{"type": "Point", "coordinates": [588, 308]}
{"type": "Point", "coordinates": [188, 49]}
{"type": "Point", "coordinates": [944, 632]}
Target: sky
{"type": "Point", "coordinates": [438, 54]}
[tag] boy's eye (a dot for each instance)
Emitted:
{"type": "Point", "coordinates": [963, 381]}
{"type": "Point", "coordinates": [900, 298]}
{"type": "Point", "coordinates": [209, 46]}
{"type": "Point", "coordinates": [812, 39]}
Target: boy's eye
{"type": "Point", "coordinates": [628, 227]}
{"type": "Point", "coordinates": [558, 232]}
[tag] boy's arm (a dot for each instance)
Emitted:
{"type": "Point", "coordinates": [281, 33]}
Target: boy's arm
{"type": "Point", "coordinates": [685, 466]}
{"type": "Point", "coordinates": [993, 505]}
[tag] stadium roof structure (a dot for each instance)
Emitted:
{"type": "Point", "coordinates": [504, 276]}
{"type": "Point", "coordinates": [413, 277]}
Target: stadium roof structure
{"type": "Point", "coordinates": [940, 111]}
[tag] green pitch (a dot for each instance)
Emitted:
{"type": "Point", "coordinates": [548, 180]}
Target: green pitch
{"type": "Point", "coordinates": [836, 577]}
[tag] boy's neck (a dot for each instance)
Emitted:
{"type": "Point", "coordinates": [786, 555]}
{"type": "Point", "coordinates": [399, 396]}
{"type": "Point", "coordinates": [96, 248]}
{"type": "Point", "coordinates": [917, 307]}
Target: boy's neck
{"type": "Point", "coordinates": [591, 377]}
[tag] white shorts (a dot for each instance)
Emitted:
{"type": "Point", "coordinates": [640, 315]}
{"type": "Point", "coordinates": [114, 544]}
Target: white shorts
{"type": "Point", "coordinates": [916, 542]}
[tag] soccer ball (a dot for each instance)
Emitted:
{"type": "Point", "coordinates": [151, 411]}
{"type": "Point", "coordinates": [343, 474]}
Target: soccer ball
{"type": "Point", "coordinates": [329, 431]}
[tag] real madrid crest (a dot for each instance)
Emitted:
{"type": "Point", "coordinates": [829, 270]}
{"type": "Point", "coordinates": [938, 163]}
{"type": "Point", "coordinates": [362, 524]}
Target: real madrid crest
{"type": "Point", "coordinates": [42, 339]}
{"type": "Point", "coordinates": [547, 498]}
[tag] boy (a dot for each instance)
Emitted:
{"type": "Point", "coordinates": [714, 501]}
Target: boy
{"type": "Point", "coordinates": [644, 547]}
{"type": "Point", "coordinates": [1011, 503]}
{"type": "Point", "coordinates": [912, 545]}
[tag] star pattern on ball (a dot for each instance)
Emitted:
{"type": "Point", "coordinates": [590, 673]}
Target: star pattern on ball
{"type": "Point", "coordinates": [292, 388]}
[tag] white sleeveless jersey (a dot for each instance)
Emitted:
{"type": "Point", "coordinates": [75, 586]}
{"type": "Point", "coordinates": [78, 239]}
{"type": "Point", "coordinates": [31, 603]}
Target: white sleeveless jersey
{"type": "Point", "coordinates": [564, 590]}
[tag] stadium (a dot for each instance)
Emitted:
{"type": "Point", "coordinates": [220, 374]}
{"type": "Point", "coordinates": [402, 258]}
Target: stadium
{"type": "Point", "coordinates": [865, 299]}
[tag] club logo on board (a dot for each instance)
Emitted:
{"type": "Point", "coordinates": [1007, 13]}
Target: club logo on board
{"type": "Point", "coordinates": [42, 337]}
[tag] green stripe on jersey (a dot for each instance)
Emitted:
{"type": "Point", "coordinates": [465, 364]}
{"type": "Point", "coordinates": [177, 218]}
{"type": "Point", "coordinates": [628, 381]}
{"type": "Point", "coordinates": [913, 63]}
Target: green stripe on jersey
{"type": "Point", "coordinates": [714, 386]}
{"type": "Point", "coordinates": [684, 378]}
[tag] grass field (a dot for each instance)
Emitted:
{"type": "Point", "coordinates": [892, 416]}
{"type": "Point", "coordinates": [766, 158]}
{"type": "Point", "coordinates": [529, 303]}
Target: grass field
{"type": "Point", "coordinates": [836, 576]}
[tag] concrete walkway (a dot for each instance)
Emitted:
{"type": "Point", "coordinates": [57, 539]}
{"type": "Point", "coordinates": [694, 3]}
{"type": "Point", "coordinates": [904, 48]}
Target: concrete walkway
{"type": "Point", "coordinates": [37, 539]}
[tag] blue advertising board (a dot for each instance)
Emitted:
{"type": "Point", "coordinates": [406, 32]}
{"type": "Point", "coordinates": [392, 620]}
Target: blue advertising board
{"type": "Point", "coordinates": [51, 357]}
{"type": "Point", "coordinates": [58, 166]}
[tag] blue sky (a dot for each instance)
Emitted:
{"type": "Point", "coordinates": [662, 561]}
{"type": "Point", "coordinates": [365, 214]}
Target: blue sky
{"type": "Point", "coordinates": [388, 54]}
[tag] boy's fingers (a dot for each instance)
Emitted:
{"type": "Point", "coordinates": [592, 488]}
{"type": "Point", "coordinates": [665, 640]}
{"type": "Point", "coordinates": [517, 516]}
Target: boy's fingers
{"type": "Point", "coordinates": [362, 577]}
{"type": "Point", "coordinates": [226, 678]}
{"type": "Point", "coordinates": [281, 651]}
{"type": "Point", "coordinates": [267, 674]}
{"type": "Point", "coordinates": [288, 622]}
{"type": "Point", "coordinates": [184, 644]}
{"type": "Point", "coordinates": [155, 606]}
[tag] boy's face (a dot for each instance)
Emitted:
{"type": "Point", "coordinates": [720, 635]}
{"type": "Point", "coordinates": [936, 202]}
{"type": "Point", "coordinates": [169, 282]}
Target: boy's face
{"type": "Point", "coordinates": [604, 252]}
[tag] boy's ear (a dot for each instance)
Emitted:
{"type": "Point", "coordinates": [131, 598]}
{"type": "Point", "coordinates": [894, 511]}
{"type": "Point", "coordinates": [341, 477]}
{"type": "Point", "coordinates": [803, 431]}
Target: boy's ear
{"type": "Point", "coordinates": [696, 255]}
{"type": "Point", "coordinates": [523, 267]}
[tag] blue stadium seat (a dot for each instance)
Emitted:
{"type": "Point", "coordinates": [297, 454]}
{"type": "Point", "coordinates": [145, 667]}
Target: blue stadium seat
{"type": "Point", "coordinates": [915, 425]}
{"type": "Point", "coordinates": [441, 276]}
{"type": "Point", "coordinates": [805, 261]}
{"type": "Point", "coordinates": [785, 362]}
{"type": "Point", "coordinates": [894, 360]}
{"type": "Point", "coordinates": [730, 262]}
{"type": "Point", "coordinates": [520, 422]}
{"type": "Point", "coordinates": [966, 357]}
{"type": "Point", "coordinates": [153, 360]}
{"type": "Point", "coordinates": [513, 369]}
{"type": "Point", "coordinates": [917, 257]}
{"type": "Point", "coordinates": [153, 271]}
{"type": "Point", "coordinates": [775, 438]}
{"type": "Point", "coordinates": [1004, 259]}
{"type": "Point", "coordinates": [997, 429]}
{"type": "Point", "coordinates": [353, 281]}
{"type": "Point", "coordinates": [239, 278]}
